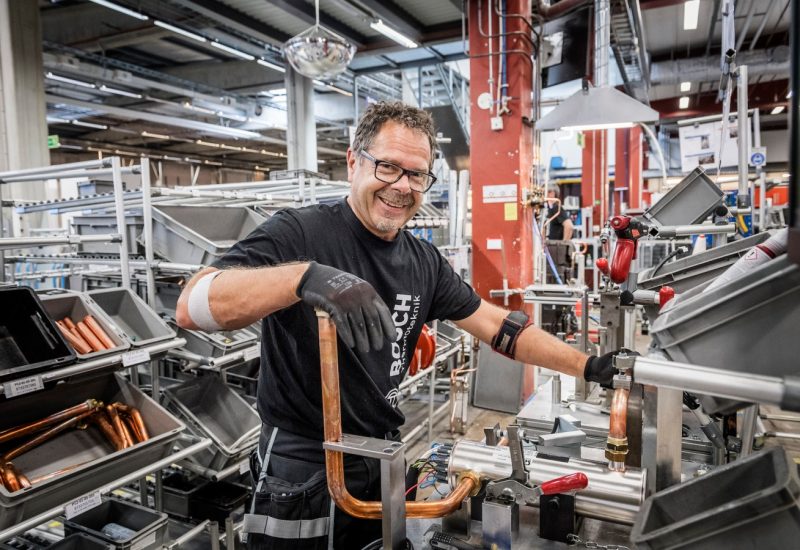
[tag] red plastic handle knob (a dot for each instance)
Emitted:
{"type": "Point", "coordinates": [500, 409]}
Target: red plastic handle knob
{"type": "Point", "coordinates": [665, 294]}
{"type": "Point", "coordinates": [620, 222]}
{"type": "Point", "coordinates": [621, 262]}
{"type": "Point", "coordinates": [565, 484]}
{"type": "Point", "coordinates": [602, 265]}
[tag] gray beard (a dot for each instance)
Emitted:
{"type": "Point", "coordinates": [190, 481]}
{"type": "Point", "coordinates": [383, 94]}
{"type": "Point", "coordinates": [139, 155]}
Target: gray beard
{"type": "Point", "coordinates": [386, 226]}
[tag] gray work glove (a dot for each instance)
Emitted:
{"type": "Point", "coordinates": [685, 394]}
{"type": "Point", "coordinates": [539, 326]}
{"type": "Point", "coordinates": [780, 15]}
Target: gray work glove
{"type": "Point", "coordinates": [361, 317]}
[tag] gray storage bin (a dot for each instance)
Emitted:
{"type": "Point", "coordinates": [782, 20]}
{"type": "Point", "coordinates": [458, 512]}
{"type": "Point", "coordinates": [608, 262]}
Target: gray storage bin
{"type": "Point", "coordinates": [132, 316]}
{"type": "Point", "coordinates": [200, 234]}
{"type": "Point", "coordinates": [749, 504]}
{"type": "Point", "coordinates": [105, 224]}
{"type": "Point", "coordinates": [750, 324]}
{"type": "Point", "coordinates": [95, 187]}
{"type": "Point", "coordinates": [689, 202]}
{"type": "Point", "coordinates": [686, 273]}
{"type": "Point", "coordinates": [98, 462]}
{"type": "Point", "coordinates": [149, 527]}
{"type": "Point", "coordinates": [217, 344]}
{"type": "Point", "coordinates": [211, 409]}
{"type": "Point", "coordinates": [76, 306]}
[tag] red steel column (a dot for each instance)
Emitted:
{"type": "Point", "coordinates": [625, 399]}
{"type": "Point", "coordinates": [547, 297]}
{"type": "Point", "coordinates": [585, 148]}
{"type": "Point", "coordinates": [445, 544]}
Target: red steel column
{"type": "Point", "coordinates": [628, 166]}
{"type": "Point", "coordinates": [500, 157]}
{"type": "Point", "coordinates": [594, 179]}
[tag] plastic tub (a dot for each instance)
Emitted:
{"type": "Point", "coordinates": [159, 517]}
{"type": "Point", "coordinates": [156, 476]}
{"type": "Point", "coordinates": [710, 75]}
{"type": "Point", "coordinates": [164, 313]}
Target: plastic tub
{"type": "Point", "coordinates": [212, 409]}
{"type": "Point", "coordinates": [29, 339]}
{"type": "Point", "coordinates": [149, 527]}
{"type": "Point", "coordinates": [177, 491]}
{"type": "Point", "coordinates": [217, 501]}
{"type": "Point", "coordinates": [217, 344]}
{"type": "Point", "coordinates": [76, 306]}
{"type": "Point", "coordinates": [751, 503]}
{"type": "Point", "coordinates": [200, 234]}
{"type": "Point", "coordinates": [132, 316]}
{"type": "Point", "coordinates": [687, 273]}
{"type": "Point", "coordinates": [98, 462]}
{"type": "Point", "coordinates": [689, 202]}
{"type": "Point", "coordinates": [104, 225]}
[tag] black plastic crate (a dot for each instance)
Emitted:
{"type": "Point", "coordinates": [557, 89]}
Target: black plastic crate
{"type": "Point", "coordinates": [177, 493]}
{"type": "Point", "coordinates": [25, 542]}
{"type": "Point", "coordinates": [217, 500]}
{"type": "Point", "coordinates": [80, 541]}
{"type": "Point", "coordinates": [148, 526]}
{"type": "Point", "coordinates": [29, 340]}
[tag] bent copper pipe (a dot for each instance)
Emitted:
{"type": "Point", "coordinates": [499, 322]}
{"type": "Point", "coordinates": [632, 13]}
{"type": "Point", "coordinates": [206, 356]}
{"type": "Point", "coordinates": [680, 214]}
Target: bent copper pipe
{"type": "Point", "coordinates": [135, 418]}
{"type": "Point", "coordinates": [617, 443]}
{"type": "Point", "coordinates": [33, 427]}
{"type": "Point", "coordinates": [334, 460]}
{"type": "Point", "coordinates": [119, 426]}
{"type": "Point", "coordinates": [45, 436]}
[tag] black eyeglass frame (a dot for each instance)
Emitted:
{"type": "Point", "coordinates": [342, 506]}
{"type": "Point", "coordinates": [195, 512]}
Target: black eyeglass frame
{"type": "Point", "coordinates": [403, 172]}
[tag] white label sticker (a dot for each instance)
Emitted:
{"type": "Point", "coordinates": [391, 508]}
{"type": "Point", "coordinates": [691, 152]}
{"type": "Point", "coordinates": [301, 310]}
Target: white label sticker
{"type": "Point", "coordinates": [244, 467]}
{"type": "Point", "coordinates": [500, 193]}
{"type": "Point", "coordinates": [23, 386]}
{"type": "Point", "coordinates": [136, 357]}
{"type": "Point", "coordinates": [82, 504]}
{"type": "Point", "coordinates": [146, 542]}
{"type": "Point", "coordinates": [251, 353]}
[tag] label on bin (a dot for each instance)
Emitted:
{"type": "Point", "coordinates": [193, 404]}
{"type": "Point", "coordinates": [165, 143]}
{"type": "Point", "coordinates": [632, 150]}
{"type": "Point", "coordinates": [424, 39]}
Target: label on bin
{"type": "Point", "coordinates": [23, 386]}
{"type": "Point", "coordinates": [252, 352]}
{"type": "Point", "coordinates": [82, 504]}
{"type": "Point", "coordinates": [135, 357]}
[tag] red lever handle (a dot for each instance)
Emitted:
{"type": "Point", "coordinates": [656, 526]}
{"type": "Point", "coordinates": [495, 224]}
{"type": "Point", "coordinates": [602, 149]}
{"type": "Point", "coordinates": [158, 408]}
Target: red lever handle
{"type": "Point", "coordinates": [621, 262]}
{"type": "Point", "coordinates": [620, 222]}
{"type": "Point", "coordinates": [665, 294]}
{"type": "Point", "coordinates": [565, 484]}
{"type": "Point", "coordinates": [602, 265]}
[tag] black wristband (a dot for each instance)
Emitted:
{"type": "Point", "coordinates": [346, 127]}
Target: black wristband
{"type": "Point", "coordinates": [505, 341]}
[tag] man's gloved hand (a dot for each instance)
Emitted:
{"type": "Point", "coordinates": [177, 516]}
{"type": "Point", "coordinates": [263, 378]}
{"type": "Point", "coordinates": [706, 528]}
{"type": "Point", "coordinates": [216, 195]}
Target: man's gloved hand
{"type": "Point", "coordinates": [361, 317]}
{"type": "Point", "coordinates": [601, 369]}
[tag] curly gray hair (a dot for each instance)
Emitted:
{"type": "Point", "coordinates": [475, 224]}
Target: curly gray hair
{"type": "Point", "coordinates": [377, 114]}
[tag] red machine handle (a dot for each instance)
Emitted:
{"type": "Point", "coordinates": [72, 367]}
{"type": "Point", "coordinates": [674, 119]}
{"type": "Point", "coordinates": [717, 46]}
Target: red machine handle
{"type": "Point", "coordinates": [565, 484]}
{"type": "Point", "coordinates": [602, 265]}
{"type": "Point", "coordinates": [624, 253]}
{"type": "Point", "coordinates": [665, 294]}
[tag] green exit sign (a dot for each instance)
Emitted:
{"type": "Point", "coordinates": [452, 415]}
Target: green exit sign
{"type": "Point", "coordinates": [52, 142]}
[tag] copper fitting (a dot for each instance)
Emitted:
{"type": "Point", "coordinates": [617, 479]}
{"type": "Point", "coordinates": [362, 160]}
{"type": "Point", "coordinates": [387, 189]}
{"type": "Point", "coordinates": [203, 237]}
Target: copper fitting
{"type": "Point", "coordinates": [334, 460]}
{"type": "Point", "coordinates": [617, 443]}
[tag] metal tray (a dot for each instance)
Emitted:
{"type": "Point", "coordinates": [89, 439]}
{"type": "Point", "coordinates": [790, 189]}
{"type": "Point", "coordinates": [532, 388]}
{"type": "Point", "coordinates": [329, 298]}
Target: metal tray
{"type": "Point", "coordinates": [102, 464]}
{"type": "Point", "coordinates": [200, 234]}
{"type": "Point", "coordinates": [689, 202]}
{"type": "Point", "coordinates": [132, 316]}
{"type": "Point", "coordinates": [76, 305]}
{"type": "Point", "coordinates": [211, 409]}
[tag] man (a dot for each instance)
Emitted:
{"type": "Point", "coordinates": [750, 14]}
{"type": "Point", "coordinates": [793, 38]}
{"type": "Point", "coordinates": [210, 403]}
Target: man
{"type": "Point", "coordinates": [560, 226]}
{"type": "Point", "coordinates": [380, 285]}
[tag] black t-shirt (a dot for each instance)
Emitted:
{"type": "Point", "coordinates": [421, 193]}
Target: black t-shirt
{"type": "Point", "coordinates": [412, 278]}
{"type": "Point", "coordinates": [555, 230]}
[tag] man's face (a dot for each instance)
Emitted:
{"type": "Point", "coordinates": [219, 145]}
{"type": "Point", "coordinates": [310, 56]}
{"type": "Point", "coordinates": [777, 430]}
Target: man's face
{"type": "Point", "coordinates": [384, 208]}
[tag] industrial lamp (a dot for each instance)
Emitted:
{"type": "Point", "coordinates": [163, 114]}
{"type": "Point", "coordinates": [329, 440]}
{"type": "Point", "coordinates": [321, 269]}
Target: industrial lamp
{"type": "Point", "coordinates": [318, 52]}
{"type": "Point", "coordinates": [596, 109]}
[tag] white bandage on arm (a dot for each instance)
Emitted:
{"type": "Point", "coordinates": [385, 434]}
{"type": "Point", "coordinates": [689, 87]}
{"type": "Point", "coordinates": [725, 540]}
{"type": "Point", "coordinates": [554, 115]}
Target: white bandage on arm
{"type": "Point", "coordinates": [199, 308]}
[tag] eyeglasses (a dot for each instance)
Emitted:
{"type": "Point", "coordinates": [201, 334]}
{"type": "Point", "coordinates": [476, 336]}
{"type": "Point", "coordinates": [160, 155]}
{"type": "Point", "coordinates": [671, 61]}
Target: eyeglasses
{"type": "Point", "coordinates": [388, 172]}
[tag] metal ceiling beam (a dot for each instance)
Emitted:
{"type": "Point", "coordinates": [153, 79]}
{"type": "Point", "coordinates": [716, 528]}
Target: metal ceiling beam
{"type": "Point", "coordinates": [410, 64]}
{"type": "Point", "coordinates": [305, 13]}
{"type": "Point", "coordinates": [392, 15]}
{"type": "Point", "coordinates": [217, 11]}
{"type": "Point", "coordinates": [120, 39]}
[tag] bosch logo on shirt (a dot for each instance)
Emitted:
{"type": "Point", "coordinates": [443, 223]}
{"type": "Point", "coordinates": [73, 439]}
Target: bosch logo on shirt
{"type": "Point", "coordinates": [404, 315]}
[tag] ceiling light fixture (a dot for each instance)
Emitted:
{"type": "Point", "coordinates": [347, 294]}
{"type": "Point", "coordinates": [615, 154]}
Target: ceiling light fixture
{"type": "Point", "coordinates": [57, 120]}
{"type": "Point", "coordinates": [601, 126]}
{"type": "Point", "coordinates": [157, 136]}
{"type": "Point", "coordinates": [333, 88]}
{"type": "Point", "coordinates": [117, 91]}
{"type": "Point", "coordinates": [270, 65]}
{"type": "Point", "coordinates": [392, 34]}
{"type": "Point", "coordinates": [89, 124]}
{"type": "Point", "coordinates": [57, 78]}
{"type": "Point", "coordinates": [207, 143]}
{"type": "Point", "coordinates": [196, 108]}
{"type": "Point", "coordinates": [126, 11]}
{"type": "Point", "coordinates": [686, 86]}
{"type": "Point", "coordinates": [683, 102]}
{"type": "Point", "coordinates": [178, 30]}
{"type": "Point", "coordinates": [234, 51]}
{"type": "Point", "coordinates": [318, 52]}
{"type": "Point", "coordinates": [691, 12]}
{"type": "Point", "coordinates": [777, 110]}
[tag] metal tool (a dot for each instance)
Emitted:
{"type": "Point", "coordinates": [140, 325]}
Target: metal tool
{"type": "Point", "coordinates": [524, 494]}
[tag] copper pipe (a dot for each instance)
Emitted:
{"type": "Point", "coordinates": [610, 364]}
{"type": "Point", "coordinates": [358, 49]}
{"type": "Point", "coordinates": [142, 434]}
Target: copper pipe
{"type": "Point", "coordinates": [45, 436]}
{"type": "Point", "coordinates": [119, 427]}
{"type": "Point", "coordinates": [89, 336]}
{"type": "Point", "coordinates": [51, 475]}
{"type": "Point", "coordinates": [108, 430]}
{"type": "Point", "coordinates": [69, 324]}
{"type": "Point", "coordinates": [98, 331]}
{"type": "Point", "coordinates": [10, 481]}
{"type": "Point", "coordinates": [617, 443]}
{"type": "Point", "coordinates": [503, 442]}
{"type": "Point", "coordinates": [135, 417]}
{"type": "Point", "coordinates": [24, 482]}
{"type": "Point", "coordinates": [33, 427]}
{"type": "Point", "coordinates": [334, 460]}
{"type": "Point", "coordinates": [77, 343]}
